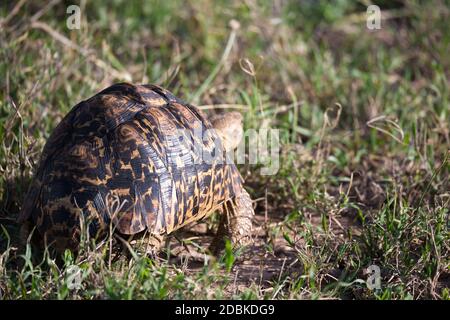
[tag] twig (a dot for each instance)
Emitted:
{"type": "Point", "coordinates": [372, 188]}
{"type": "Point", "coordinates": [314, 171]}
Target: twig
{"type": "Point", "coordinates": [84, 52]}
{"type": "Point", "coordinates": [13, 12]}
{"type": "Point", "coordinates": [391, 122]}
{"type": "Point", "coordinates": [41, 12]}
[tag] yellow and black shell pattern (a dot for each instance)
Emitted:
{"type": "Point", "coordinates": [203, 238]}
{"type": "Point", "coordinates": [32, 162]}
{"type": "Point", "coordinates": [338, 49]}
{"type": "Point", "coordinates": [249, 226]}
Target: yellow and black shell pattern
{"type": "Point", "coordinates": [114, 158]}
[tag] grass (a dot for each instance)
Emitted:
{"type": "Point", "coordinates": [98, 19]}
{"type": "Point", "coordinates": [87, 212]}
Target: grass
{"type": "Point", "coordinates": [364, 124]}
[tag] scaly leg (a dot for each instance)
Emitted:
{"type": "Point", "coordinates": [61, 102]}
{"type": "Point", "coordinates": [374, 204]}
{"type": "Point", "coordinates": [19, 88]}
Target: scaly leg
{"type": "Point", "coordinates": [235, 223]}
{"type": "Point", "coordinates": [154, 243]}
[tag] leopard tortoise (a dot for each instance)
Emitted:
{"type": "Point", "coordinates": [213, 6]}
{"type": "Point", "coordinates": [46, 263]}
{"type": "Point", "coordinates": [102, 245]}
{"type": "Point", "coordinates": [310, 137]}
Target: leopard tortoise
{"type": "Point", "coordinates": [130, 159]}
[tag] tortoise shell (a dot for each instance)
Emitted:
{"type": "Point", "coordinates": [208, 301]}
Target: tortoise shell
{"type": "Point", "coordinates": [115, 158]}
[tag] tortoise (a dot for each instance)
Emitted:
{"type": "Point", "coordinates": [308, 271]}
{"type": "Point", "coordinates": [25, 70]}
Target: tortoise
{"type": "Point", "coordinates": [131, 159]}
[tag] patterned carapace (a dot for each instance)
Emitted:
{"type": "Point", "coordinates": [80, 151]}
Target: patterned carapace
{"type": "Point", "coordinates": [120, 144]}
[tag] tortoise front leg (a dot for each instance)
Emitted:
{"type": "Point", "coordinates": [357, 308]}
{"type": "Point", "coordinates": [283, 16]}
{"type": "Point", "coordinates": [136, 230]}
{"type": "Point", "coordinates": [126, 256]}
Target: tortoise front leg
{"type": "Point", "coordinates": [235, 223]}
{"type": "Point", "coordinates": [154, 244]}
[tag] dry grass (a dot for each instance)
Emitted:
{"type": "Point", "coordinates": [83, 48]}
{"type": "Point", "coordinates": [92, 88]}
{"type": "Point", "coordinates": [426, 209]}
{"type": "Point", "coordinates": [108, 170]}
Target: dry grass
{"type": "Point", "coordinates": [364, 119]}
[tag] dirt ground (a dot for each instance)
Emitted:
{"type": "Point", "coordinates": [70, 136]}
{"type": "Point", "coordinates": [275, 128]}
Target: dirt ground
{"type": "Point", "coordinates": [262, 263]}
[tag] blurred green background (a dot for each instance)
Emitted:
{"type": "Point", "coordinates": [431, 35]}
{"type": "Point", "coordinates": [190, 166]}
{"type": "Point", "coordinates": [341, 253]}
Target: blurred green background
{"type": "Point", "coordinates": [364, 118]}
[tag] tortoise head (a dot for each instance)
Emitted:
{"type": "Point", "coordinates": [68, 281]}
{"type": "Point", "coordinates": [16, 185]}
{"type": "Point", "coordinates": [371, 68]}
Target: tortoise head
{"type": "Point", "coordinates": [229, 128]}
